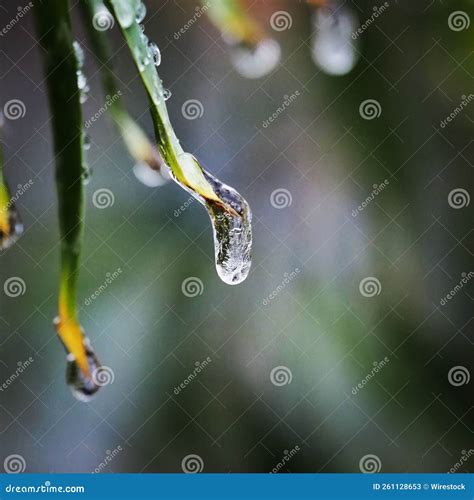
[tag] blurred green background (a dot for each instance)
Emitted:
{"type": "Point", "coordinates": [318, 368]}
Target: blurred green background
{"type": "Point", "coordinates": [318, 326]}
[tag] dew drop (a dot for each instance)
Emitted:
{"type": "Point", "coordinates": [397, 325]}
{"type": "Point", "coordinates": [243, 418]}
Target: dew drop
{"type": "Point", "coordinates": [82, 387]}
{"type": "Point", "coordinates": [86, 174]}
{"type": "Point", "coordinates": [166, 94]}
{"type": "Point", "coordinates": [147, 176]}
{"type": "Point", "coordinates": [333, 48]}
{"type": "Point", "coordinates": [232, 231]}
{"type": "Point", "coordinates": [155, 53]}
{"type": "Point", "coordinates": [140, 12]}
{"type": "Point", "coordinates": [257, 61]}
{"type": "Point", "coordinates": [87, 142]}
{"type": "Point", "coordinates": [125, 12]}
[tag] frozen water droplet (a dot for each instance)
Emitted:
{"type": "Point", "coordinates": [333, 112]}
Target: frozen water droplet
{"type": "Point", "coordinates": [140, 12]}
{"type": "Point", "coordinates": [257, 61]}
{"type": "Point", "coordinates": [166, 94]}
{"type": "Point", "coordinates": [232, 231]}
{"type": "Point", "coordinates": [11, 227]}
{"type": "Point", "coordinates": [82, 387]}
{"type": "Point", "coordinates": [333, 48]}
{"type": "Point", "coordinates": [155, 53]}
{"type": "Point", "coordinates": [86, 173]}
{"type": "Point", "coordinates": [147, 176]}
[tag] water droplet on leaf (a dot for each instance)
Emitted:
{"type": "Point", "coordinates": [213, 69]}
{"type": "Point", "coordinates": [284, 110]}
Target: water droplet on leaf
{"type": "Point", "coordinates": [140, 12]}
{"type": "Point", "coordinates": [166, 94]}
{"type": "Point", "coordinates": [82, 387]}
{"type": "Point", "coordinates": [256, 61]}
{"type": "Point", "coordinates": [155, 53]}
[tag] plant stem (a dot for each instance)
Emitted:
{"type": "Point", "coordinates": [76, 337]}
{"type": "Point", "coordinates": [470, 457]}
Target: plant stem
{"type": "Point", "coordinates": [135, 139]}
{"type": "Point", "coordinates": [54, 27]}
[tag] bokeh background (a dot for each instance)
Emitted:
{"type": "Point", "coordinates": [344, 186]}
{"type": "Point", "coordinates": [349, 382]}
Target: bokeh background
{"type": "Point", "coordinates": [318, 326]}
